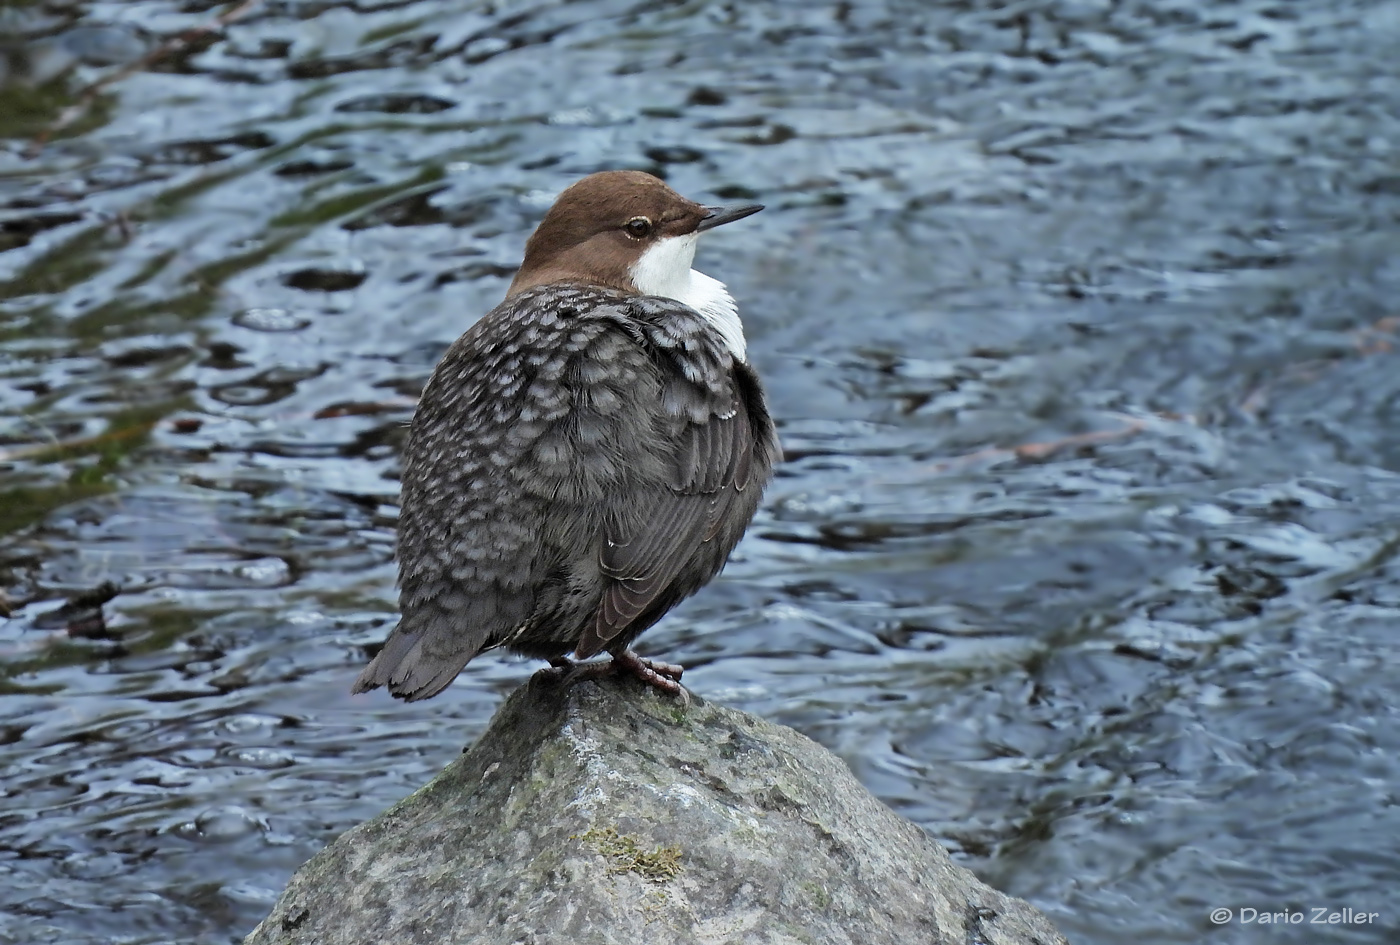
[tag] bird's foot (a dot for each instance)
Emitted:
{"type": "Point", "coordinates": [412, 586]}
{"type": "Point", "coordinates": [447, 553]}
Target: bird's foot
{"type": "Point", "coordinates": [663, 676]}
{"type": "Point", "coordinates": [655, 673]}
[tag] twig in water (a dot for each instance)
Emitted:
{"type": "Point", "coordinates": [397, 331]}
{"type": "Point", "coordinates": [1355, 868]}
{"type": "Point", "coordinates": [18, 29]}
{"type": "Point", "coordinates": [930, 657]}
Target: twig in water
{"type": "Point", "coordinates": [1132, 425]}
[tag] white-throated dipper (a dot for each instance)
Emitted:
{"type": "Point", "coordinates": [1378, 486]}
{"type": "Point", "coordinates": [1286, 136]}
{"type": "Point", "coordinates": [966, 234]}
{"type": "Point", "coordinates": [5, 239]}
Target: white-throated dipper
{"type": "Point", "coordinates": [585, 456]}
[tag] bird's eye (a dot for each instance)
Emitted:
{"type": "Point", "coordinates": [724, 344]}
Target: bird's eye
{"type": "Point", "coordinates": [640, 227]}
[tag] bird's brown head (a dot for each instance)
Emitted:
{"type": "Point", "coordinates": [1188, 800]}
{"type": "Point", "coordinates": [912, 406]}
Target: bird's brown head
{"type": "Point", "coordinates": [622, 229]}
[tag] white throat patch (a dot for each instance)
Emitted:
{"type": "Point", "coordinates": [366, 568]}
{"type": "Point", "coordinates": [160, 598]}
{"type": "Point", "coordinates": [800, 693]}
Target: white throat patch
{"type": "Point", "coordinates": [664, 270]}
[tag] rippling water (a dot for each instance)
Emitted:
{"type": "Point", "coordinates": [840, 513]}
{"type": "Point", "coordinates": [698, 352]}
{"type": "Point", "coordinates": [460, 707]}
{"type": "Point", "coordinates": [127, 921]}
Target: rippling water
{"type": "Point", "coordinates": [1079, 318]}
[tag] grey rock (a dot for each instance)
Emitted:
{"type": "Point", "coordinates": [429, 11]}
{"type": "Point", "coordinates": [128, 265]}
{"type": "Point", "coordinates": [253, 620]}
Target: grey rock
{"type": "Point", "coordinates": [606, 813]}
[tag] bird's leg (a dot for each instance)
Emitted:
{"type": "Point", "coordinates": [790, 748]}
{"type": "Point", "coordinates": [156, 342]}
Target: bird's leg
{"type": "Point", "coordinates": [564, 670]}
{"type": "Point", "coordinates": [663, 676]}
{"type": "Point", "coordinates": [561, 670]}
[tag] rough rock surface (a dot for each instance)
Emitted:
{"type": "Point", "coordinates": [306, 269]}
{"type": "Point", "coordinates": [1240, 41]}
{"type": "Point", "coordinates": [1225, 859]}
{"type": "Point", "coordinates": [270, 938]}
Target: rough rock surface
{"type": "Point", "coordinates": [603, 813]}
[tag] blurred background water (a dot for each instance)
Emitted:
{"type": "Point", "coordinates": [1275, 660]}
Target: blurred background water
{"type": "Point", "coordinates": [1078, 318]}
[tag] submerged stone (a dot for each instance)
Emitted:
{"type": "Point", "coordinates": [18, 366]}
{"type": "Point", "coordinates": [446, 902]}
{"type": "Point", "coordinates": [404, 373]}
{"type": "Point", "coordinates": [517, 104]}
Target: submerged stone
{"type": "Point", "coordinates": [602, 813]}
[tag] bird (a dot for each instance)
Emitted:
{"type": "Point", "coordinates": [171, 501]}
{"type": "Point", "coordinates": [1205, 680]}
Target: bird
{"type": "Point", "coordinates": [585, 456]}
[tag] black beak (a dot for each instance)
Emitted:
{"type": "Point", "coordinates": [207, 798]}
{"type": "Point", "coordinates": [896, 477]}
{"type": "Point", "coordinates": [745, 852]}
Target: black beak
{"type": "Point", "coordinates": [718, 216]}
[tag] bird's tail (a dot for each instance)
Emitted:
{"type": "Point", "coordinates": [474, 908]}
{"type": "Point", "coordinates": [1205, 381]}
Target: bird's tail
{"type": "Point", "coordinates": [412, 667]}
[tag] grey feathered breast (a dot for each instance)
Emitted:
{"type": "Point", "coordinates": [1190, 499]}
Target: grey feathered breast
{"type": "Point", "coordinates": [581, 460]}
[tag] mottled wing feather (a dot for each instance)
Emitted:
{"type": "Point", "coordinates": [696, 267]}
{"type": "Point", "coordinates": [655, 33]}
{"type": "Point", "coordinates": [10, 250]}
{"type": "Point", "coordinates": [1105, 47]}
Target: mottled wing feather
{"type": "Point", "coordinates": [710, 458]}
{"type": "Point", "coordinates": [708, 453]}
{"type": "Point", "coordinates": [642, 568]}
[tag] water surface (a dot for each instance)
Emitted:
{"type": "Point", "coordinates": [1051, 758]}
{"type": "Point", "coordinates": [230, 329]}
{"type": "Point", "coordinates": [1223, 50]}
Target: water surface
{"type": "Point", "coordinates": [1079, 319]}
